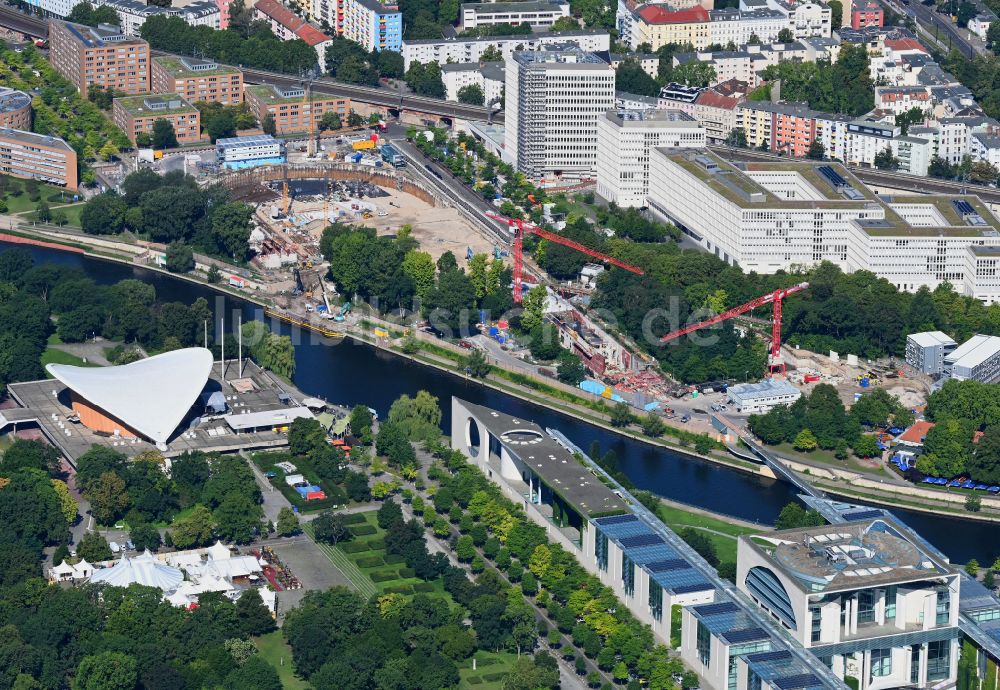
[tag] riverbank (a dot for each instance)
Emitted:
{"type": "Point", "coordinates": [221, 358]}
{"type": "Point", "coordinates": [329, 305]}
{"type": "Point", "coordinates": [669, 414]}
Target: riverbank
{"type": "Point", "coordinates": [566, 403]}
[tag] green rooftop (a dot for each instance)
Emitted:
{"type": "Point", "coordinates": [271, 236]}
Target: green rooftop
{"type": "Point", "coordinates": [270, 94]}
{"type": "Point", "coordinates": [155, 105]}
{"type": "Point", "coordinates": [203, 68]}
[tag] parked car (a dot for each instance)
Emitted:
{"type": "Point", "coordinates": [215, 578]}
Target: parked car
{"type": "Point", "coordinates": [115, 548]}
{"type": "Point", "coordinates": [129, 545]}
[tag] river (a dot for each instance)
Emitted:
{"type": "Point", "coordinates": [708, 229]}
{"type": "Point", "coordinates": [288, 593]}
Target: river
{"type": "Point", "coordinates": [350, 373]}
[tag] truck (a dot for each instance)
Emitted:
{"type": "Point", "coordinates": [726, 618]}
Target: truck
{"type": "Point", "coordinates": [392, 156]}
{"type": "Point", "coordinates": [363, 145]}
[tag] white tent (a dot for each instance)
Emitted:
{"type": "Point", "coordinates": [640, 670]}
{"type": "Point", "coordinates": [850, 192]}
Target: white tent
{"type": "Point", "coordinates": [143, 570]}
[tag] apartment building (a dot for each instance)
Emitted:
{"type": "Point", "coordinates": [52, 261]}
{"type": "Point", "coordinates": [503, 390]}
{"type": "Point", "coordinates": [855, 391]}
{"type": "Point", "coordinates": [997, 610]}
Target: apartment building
{"type": "Point", "coordinates": [196, 80]}
{"type": "Point", "coordinates": [459, 49]}
{"type": "Point", "coordinates": [488, 76]}
{"type": "Point", "coordinates": [714, 107]}
{"type": "Point", "coordinates": [900, 99]}
{"type": "Point", "coordinates": [624, 141]}
{"type": "Point", "coordinates": [133, 14]}
{"type": "Point", "coordinates": [649, 62]}
{"type": "Point", "coordinates": [288, 26]}
{"type": "Point", "coordinates": [767, 217]}
{"type": "Point", "coordinates": [104, 56]}
{"type": "Point", "coordinates": [15, 109]}
{"type": "Point", "coordinates": [239, 153]}
{"type": "Point", "coordinates": [865, 596]}
{"type": "Point", "coordinates": [978, 359]}
{"type": "Point", "coordinates": [658, 25]}
{"type": "Point", "coordinates": [375, 25]}
{"type": "Point", "coordinates": [538, 15]}
{"type": "Point", "coordinates": [739, 27]}
{"type": "Point", "coordinates": [868, 14]}
{"type": "Point", "coordinates": [37, 157]}
{"type": "Point", "coordinates": [136, 115]}
{"type": "Point", "coordinates": [291, 110]}
{"type": "Point", "coordinates": [554, 98]}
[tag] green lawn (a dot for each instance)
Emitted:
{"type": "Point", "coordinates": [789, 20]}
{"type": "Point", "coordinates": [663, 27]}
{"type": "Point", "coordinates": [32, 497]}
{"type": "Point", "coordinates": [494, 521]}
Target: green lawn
{"type": "Point", "coordinates": [54, 355]}
{"type": "Point", "coordinates": [275, 651]}
{"type": "Point", "coordinates": [822, 457]}
{"type": "Point", "coordinates": [72, 214]}
{"type": "Point", "coordinates": [22, 202]}
{"type": "Point", "coordinates": [491, 667]}
{"type": "Point", "coordinates": [725, 543]}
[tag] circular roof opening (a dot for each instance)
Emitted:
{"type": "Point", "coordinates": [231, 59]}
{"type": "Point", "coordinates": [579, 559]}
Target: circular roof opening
{"type": "Point", "coordinates": [522, 437]}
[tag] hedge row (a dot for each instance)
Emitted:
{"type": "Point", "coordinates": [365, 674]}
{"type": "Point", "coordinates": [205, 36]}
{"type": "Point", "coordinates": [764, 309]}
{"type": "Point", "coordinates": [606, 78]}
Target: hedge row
{"type": "Point", "coordinates": [370, 562]}
{"type": "Point", "coordinates": [363, 530]}
{"type": "Point", "coordinates": [355, 547]}
{"type": "Point", "coordinates": [354, 519]}
{"type": "Point", "coordinates": [383, 575]}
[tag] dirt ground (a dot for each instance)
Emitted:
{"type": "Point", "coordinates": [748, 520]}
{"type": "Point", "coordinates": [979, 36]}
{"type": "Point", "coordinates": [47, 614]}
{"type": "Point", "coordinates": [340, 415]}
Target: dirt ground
{"type": "Point", "coordinates": [911, 388]}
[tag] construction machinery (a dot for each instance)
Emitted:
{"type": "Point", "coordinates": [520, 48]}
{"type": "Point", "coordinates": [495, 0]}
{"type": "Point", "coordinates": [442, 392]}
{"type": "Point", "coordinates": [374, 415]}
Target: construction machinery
{"type": "Point", "coordinates": [344, 311]}
{"type": "Point", "coordinates": [774, 361]}
{"type": "Point", "coordinates": [519, 227]}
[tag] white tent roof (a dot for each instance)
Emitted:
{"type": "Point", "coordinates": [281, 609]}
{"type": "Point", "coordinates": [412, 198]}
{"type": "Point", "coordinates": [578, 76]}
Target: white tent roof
{"type": "Point", "coordinates": [151, 395]}
{"type": "Point", "coordinates": [143, 570]}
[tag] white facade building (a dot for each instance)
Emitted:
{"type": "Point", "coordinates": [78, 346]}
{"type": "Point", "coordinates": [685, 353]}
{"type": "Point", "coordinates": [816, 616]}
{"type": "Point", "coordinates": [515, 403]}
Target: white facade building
{"type": "Point", "coordinates": [538, 15]}
{"type": "Point", "coordinates": [760, 398]}
{"type": "Point", "coordinates": [926, 351]}
{"type": "Point", "coordinates": [247, 152]}
{"type": "Point", "coordinates": [767, 217]}
{"type": "Point", "coordinates": [865, 596]}
{"type": "Point", "coordinates": [624, 142]}
{"type": "Point", "coordinates": [133, 14]}
{"type": "Point", "coordinates": [978, 358]}
{"type": "Point", "coordinates": [553, 100]}
{"type": "Point", "coordinates": [470, 49]}
{"type": "Point", "coordinates": [738, 26]}
{"type": "Point", "coordinates": [488, 76]}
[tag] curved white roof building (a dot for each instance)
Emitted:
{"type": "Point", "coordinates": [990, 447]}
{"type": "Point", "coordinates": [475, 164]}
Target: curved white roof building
{"type": "Point", "coordinates": [143, 570]}
{"type": "Point", "coordinates": [148, 398]}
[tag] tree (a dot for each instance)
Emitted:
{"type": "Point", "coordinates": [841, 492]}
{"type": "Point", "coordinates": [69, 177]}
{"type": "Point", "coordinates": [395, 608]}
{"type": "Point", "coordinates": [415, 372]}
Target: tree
{"type": "Point", "coordinates": [816, 150]}
{"type": "Point", "coordinates": [786, 36]}
{"type": "Point", "coordinates": [884, 160]}
{"type": "Point", "coordinates": [330, 121]}
{"type": "Point", "coordinates": [571, 370]}
{"type": "Point", "coordinates": [288, 522]}
{"type": "Point", "coordinates": [269, 127]}
{"type": "Point", "coordinates": [103, 214]}
{"type": "Point", "coordinates": [471, 94]}
{"type": "Point", "coordinates": [866, 446]}
{"type": "Point", "coordinates": [193, 530]}
{"type": "Point", "coordinates": [145, 536]}
{"type": "Point", "coordinates": [630, 77]}
{"type": "Point", "coordinates": [694, 73]}
{"type": "Point", "coordinates": [737, 138]}
{"type": "Point", "coordinates": [331, 528]}
{"type": "Point", "coordinates": [237, 519]}
{"type": "Point", "coordinates": [94, 548]}
{"type": "Point", "coordinates": [476, 364]}
{"type": "Point", "coordinates": [108, 498]}
{"type": "Point", "coordinates": [25, 454]}
{"type": "Point", "coordinates": [254, 674]}
{"type": "Point", "coordinates": [106, 671]}
{"type": "Point", "coordinates": [652, 425]}
{"type": "Point", "coordinates": [179, 257]}
{"type": "Point", "coordinates": [973, 503]}
{"type": "Point", "coordinates": [621, 415]}
{"type": "Point", "coordinates": [972, 568]}
{"type": "Point", "coordinates": [805, 441]}
{"type": "Point", "coordinates": [465, 549]}
{"type": "Point", "coordinates": [163, 135]}
{"type": "Point", "coordinates": [253, 617]}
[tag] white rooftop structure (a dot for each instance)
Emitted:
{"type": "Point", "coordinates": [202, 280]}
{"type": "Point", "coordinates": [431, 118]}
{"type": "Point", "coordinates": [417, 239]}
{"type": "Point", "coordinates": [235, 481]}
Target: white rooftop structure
{"type": "Point", "coordinates": [763, 396]}
{"type": "Point", "coordinates": [977, 358]}
{"type": "Point", "coordinates": [266, 418]}
{"type": "Point", "coordinates": [931, 338]}
{"type": "Point", "coordinates": [142, 570]}
{"type": "Point", "coordinates": [151, 396]}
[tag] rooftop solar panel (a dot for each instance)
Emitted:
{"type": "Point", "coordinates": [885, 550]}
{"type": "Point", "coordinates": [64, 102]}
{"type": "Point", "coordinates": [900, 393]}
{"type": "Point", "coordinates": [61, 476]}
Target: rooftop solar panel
{"type": "Point", "coordinates": [668, 565]}
{"type": "Point", "coordinates": [642, 540]}
{"type": "Point", "coordinates": [616, 519]}
{"type": "Point", "coordinates": [802, 680]}
{"type": "Point", "coordinates": [963, 206]}
{"type": "Point", "coordinates": [863, 515]}
{"type": "Point", "coordinates": [716, 609]}
{"type": "Point", "coordinates": [697, 587]}
{"type": "Point", "coordinates": [832, 176]}
{"type": "Point", "coordinates": [746, 635]}
{"type": "Point", "coordinates": [776, 655]}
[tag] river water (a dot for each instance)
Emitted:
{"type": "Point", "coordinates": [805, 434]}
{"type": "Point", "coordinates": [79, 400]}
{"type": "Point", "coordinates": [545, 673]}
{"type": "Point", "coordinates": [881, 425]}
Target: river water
{"type": "Point", "coordinates": [349, 373]}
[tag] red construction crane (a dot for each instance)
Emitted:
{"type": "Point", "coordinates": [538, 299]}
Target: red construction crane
{"type": "Point", "coordinates": [774, 360]}
{"type": "Point", "coordinates": [522, 226]}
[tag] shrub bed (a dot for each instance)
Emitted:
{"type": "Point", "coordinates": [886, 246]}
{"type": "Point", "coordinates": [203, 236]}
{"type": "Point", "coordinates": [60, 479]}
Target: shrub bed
{"type": "Point", "coordinates": [400, 589]}
{"type": "Point", "coordinates": [493, 677]}
{"type": "Point", "coordinates": [355, 547]}
{"type": "Point", "coordinates": [407, 572]}
{"type": "Point", "coordinates": [354, 519]}
{"type": "Point", "coordinates": [363, 530]}
{"type": "Point", "coordinates": [394, 558]}
{"type": "Point", "coordinates": [375, 544]}
{"type": "Point", "coordinates": [423, 587]}
{"type": "Point", "coordinates": [371, 562]}
{"type": "Point", "coordinates": [383, 576]}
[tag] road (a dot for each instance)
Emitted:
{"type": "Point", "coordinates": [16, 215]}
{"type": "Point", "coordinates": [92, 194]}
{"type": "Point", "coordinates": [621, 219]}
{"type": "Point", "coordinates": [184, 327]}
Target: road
{"type": "Point", "coordinates": [940, 25]}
